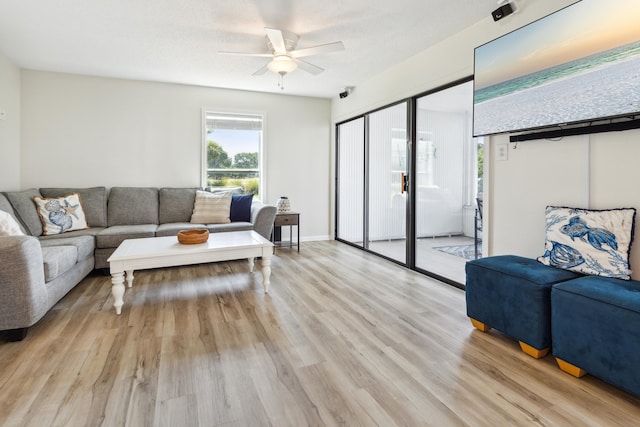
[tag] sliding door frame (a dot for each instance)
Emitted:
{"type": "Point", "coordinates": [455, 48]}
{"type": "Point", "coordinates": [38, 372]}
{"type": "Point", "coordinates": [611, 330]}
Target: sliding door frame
{"type": "Point", "coordinates": [365, 189]}
{"type": "Point", "coordinates": [365, 201]}
{"type": "Point", "coordinates": [414, 166]}
{"type": "Point", "coordinates": [411, 188]}
{"type": "Point", "coordinates": [337, 183]}
{"type": "Point", "coordinates": [410, 232]}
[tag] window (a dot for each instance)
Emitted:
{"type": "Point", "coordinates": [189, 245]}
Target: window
{"type": "Point", "coordinates": [232, 151]}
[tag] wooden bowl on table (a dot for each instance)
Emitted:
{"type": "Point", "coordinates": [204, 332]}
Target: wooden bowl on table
{"type": "Point", "coordinates": [192, 237]}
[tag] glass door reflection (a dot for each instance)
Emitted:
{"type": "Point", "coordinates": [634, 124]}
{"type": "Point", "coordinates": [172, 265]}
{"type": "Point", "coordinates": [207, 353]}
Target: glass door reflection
{"type": "Point", "coordinates": [446, 182]}
{"type": "Point", "coordinates": [387, 195]}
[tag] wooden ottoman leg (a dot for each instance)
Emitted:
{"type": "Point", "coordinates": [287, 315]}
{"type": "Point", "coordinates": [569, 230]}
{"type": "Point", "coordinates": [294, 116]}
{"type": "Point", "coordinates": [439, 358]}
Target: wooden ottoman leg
{"type": "Point", "coordinates": [532, 351]}
{"type": "Point", "coordinates": [571, 369]}
{"type": "Point", "coordinates": [479, 325]}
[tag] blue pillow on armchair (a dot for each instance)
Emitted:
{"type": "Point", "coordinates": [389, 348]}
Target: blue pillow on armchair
{"type": "Point", "coordinates": [241, 207]}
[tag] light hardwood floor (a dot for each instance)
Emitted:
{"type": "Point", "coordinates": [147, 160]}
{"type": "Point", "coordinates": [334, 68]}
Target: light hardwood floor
{"type": "Point", "coordinates": [345, 338]}
{"type": "Point", "coordinates": [427, 257]}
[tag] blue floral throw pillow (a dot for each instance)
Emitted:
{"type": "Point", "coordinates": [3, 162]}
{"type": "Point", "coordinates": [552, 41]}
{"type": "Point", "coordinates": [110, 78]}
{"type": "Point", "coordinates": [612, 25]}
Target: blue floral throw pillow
{"type": "Point", "coordinates": [61, 214]}
{"type": "Point", "coordinates": [595, 242]}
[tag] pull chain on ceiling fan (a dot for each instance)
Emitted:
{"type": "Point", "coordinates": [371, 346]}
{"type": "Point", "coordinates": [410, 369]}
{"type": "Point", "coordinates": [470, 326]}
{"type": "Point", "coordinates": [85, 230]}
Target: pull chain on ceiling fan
{"type": "Point", "coordinates": [284, 56]}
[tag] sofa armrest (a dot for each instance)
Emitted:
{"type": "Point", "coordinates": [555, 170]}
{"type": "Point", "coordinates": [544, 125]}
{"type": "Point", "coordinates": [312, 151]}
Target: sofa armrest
{"type": "Point", "coordinates": [23, 295]}
{"type": "Point", "coordinates": [262, 217]}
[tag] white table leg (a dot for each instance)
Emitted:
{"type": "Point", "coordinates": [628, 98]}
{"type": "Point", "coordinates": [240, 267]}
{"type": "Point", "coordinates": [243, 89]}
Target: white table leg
{"type": "Point", "coordinates": [129, 278]}
{"type": "Point", "coordinates": [251, 263]}
{"type": "Point", "coordinates": [266, 272]}
{"type": "Point", "coordinates": [117, 290]}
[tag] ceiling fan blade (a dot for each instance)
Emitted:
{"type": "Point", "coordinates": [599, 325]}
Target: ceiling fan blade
{"type": "Point", "coordinates": [277, 40]}
{"type": "Point", "coordinates": [309, 68]}
{"type": "Point", "coordinates": [316, 50]}
{"type": "Point", "coordinates": [260, 55]}
{"type": "Point", "coordinates": [261, 71]}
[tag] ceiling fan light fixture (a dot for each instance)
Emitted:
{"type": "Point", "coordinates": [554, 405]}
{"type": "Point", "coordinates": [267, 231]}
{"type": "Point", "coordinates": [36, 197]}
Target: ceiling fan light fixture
{"type": "Point", "coordinates": [282, 64]}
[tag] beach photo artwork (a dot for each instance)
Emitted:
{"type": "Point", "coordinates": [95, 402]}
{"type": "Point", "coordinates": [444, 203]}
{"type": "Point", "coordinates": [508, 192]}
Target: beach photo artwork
{"type": "Point", "coordinates": [579, 64]}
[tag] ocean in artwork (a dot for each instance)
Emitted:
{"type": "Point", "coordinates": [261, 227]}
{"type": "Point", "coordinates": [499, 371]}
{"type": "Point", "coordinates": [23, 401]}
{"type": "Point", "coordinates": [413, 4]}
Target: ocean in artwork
{"type": "Point", "coordinates": [600, 85]}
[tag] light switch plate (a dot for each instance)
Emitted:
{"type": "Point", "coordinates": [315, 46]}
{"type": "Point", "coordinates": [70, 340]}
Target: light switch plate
{"type": "Point", "coordinates": [502, 151]}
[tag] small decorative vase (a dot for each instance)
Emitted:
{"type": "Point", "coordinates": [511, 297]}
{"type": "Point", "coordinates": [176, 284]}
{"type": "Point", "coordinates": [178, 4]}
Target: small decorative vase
{"type": "Point", "coordinates": [283, 204]}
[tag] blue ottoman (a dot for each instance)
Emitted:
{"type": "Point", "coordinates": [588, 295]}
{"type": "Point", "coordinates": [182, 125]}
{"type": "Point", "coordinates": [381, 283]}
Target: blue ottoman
{"type": "Point", "coordinates": [596, 329]}
{"type": "Point", "coordinates": [512, 294]}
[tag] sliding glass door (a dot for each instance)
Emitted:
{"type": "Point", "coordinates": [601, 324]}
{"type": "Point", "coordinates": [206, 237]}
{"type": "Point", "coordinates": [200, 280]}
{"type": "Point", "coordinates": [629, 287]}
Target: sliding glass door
{"type": "Point", "coordinates": [350, 185]}
{"type": "Point", "coordinates": [407, 182]}
{"type": "Point", "coordinates": [387, 172]}
{"type": "Point", "coordinates": [372, 171]}
{"type": "Point", "coordinates": [446, 182]}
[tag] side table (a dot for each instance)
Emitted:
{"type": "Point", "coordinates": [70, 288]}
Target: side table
{"type": "Point", "coordinates": [285, 219]}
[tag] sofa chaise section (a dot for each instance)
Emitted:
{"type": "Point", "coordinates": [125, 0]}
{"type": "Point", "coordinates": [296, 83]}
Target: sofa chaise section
{"type": "Point", "coordinates": [35, 274]}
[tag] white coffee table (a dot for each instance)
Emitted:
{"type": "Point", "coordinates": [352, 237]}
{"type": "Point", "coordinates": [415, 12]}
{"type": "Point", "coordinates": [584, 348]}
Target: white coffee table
{"type": "Point", "coordinates": [156, 252]}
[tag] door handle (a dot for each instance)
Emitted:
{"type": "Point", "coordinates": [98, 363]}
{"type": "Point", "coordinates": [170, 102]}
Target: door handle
{"type": "Point", "coordinates": [404, 183]}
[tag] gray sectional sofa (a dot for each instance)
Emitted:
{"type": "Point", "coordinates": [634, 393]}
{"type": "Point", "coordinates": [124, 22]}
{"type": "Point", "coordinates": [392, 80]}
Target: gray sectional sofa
{"type": "Point", "coordinates": [36, 271]}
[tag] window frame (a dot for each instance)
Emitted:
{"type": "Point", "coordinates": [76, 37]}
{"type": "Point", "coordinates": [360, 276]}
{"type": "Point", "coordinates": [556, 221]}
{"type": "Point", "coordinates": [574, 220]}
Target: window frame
{"type": "Point", "coordinates": [262, 153]}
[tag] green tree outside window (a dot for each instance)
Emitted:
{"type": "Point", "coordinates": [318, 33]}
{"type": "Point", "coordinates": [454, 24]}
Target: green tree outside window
{"type": "Point", "coordinates": [245, 160]}
{"type": "Point", "coordinates": [217, 158]}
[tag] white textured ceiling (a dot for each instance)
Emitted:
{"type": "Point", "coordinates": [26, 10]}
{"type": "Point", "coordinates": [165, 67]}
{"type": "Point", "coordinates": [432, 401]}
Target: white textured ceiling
{"type": "Point", "coordinates": [178, 40]}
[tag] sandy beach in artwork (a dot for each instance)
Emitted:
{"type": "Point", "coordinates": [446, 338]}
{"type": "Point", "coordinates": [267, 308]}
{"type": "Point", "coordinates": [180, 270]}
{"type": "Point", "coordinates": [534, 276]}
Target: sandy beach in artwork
{"type": "Point", "coordinates": [603, 92]}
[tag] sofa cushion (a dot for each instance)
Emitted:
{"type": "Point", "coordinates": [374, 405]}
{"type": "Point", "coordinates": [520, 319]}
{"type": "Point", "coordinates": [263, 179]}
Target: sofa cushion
{"type": "Point", "coordinates": [25, 209]}
{"type": "Point", "coordinates": [58, 260]}
{"type": "Point", "coordinates": [112, 237]}
{"type": "Point", "coordinates": [232, 226]}
{"type": "Point", "coordinates": [84, 245]}
{"type": "Point", "coordinates": [60, 214]}
{"type": "Point", "coordinates": [172, 228]}
{"type": "Point", "coordinates": [211, 208]}
{"type": "Point", "coordinates": [92, 231]}
{"type": "Point", "coordinates": [240, 207]}
{"type": "Point", "coordinates": [94, 202]}
{"type": "Point", "coordinates": [5, 205]}
{"type": "Point", "coordinates": [8, 225]}
{"type": "Point", "coordinates": [595, 242]}
{"type": "Point", "coordinates": [176, 204]}
{"type": "Point", "coordinates": [132, 206]}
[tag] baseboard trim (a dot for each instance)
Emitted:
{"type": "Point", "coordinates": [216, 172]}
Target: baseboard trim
{"type": "Point", "coordinates": [314, 238]}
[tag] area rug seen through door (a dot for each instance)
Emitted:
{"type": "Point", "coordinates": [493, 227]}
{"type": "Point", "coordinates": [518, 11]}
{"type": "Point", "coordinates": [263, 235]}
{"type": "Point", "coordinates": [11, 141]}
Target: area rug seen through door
{"type": "Point", "coordinates": [463, 251]}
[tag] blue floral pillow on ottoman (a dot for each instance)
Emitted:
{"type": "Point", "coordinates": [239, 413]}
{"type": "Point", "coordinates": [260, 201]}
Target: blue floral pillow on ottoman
{"type": "Point", "coordinates": [595, 242]}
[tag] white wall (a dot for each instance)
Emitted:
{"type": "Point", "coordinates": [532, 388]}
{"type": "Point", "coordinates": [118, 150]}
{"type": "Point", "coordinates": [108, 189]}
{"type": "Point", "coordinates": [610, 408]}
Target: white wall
{"type": "Point", "coordinates": [536, 174]}
{"type": "Point", "coordinates": [10, 126]}
{"type": "Point", "coordinates": [82, 131]}
{"type": "Point", "coordinates": [597, 171]}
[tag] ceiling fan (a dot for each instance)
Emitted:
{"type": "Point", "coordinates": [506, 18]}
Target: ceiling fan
{"type": "Point", "coordinates": [284, 56]}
